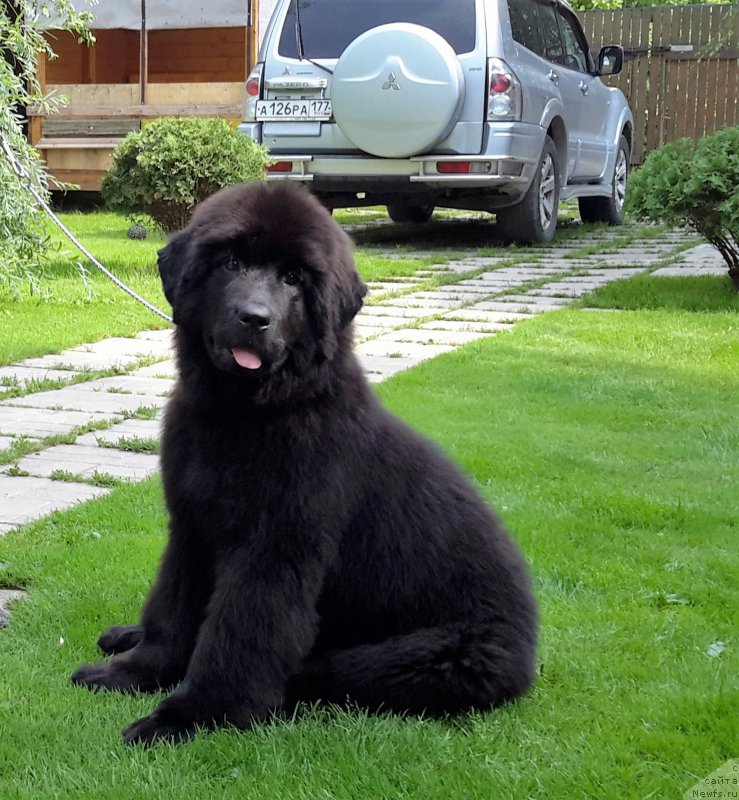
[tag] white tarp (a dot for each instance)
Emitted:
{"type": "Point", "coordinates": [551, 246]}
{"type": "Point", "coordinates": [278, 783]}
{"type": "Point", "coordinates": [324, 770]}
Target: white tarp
{"type": "Point", "coordinates": [161, 14]}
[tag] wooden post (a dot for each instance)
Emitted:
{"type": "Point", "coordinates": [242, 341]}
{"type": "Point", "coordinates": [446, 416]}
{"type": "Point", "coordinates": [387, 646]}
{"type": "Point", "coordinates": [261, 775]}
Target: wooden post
{"type": "Point", "coordinates": [36, 124]}
{"type": "Point", "coordinates": [252, 34]}
{"type": "Point", "coordinates": [143, 55]}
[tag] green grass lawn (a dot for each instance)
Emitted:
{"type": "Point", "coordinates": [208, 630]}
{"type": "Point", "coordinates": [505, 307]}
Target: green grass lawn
{"type": "Point", "coordinates": [608, 442]}
{"type": "Point", "coordinates": [73, 311]}
{"type": "Point", "coordinates": [704, 293]}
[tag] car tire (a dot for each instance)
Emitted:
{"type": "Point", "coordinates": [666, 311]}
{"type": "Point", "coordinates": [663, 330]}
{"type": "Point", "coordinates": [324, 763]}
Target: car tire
{"type": "Point", "coordinates": [534, 219]}
{"type": "Point", "coordinates": [403, 212]}
{"type": "Point", "coordinates": [610, 209]}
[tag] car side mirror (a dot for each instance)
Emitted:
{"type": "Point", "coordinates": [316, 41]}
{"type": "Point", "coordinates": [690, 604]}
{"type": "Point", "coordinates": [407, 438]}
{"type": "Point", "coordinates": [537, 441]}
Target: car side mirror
{"type": "Point", "coordinates": [610, 60]}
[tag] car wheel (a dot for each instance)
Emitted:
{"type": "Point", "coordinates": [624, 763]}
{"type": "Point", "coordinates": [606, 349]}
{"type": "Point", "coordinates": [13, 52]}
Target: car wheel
{"type": "Point", "coordinates": [610, 209]}
{"type": "Point", "coordinates": [534, 219]}
{"type": "Point", "coordinates": [403, 212]}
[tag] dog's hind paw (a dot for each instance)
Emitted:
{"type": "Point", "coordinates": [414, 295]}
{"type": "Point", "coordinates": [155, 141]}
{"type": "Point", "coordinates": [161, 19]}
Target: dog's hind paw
{"type": "Point", "coordinates": [119, 638]}
{"type": "Point", "coordinates": [151, 729]}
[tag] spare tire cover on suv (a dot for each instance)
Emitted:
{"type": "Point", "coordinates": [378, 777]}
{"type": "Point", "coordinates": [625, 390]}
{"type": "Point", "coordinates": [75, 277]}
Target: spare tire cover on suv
{"type": "Point", "coordinates": [397, 90]}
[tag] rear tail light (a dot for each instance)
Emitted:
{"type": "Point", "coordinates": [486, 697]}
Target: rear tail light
{"type": "Point", "coordinates": [466, 167]}
{"type": "Point", "coordinates": [253, 92]}
{"type": "Point", "coordinates": [281, 166]}
{"type": "Point", "coordinates": [504, 91]}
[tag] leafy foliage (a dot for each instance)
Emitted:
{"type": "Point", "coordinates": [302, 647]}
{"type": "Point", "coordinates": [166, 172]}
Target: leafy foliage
{"type": "Point", "coordinates": [696, 185]}
{"type": "Point", "coordinates": [166, 168]}
{"type": "Point", "coordinates": [22, 237]}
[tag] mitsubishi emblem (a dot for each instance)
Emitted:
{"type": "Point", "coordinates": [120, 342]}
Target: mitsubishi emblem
{"type": "Point", "coordinates": [391, 82]}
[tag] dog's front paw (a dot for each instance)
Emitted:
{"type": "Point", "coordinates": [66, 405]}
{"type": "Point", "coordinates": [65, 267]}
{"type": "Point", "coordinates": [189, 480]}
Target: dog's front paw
{"type": "Point", "coordinates": [113, 676]}
{"type": "Point", "coordinates": [153, 728]}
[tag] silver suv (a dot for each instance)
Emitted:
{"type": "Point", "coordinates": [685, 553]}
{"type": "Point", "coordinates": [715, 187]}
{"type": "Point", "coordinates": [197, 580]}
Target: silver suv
{"type": "Point", "coordinates": [493, 105]}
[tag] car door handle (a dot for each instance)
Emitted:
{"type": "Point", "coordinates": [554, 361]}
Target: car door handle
{"type": "Point", "coordinates": [584, 87]}
{"type": "Point", "coordinates": [553, 77]}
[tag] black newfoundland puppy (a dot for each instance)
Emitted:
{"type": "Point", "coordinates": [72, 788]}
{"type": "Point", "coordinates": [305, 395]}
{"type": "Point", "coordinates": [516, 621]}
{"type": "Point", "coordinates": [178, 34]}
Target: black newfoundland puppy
{"type": "Point", "coordinates": [319, 549]}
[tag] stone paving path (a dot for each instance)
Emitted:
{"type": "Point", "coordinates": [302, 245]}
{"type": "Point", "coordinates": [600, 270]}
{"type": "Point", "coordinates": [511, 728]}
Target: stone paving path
{"type": "Point", "coordinates": [106, 428]}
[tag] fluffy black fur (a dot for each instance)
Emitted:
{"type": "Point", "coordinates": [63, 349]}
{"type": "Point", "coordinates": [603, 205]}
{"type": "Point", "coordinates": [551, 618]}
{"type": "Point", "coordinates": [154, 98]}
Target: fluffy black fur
{"type": "Point", "coordinates": [319, 549]}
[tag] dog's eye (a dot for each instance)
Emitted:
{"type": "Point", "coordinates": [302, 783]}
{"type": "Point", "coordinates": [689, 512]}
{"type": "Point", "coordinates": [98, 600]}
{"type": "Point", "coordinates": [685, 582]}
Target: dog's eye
{"type": "Point", "coordinates": [232, 263]}
{"type": "Point", "coordinates": [292, 278]}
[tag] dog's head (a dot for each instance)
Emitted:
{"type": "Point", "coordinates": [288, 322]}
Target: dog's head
{"type": "Point", "coordinates": [264, 276]}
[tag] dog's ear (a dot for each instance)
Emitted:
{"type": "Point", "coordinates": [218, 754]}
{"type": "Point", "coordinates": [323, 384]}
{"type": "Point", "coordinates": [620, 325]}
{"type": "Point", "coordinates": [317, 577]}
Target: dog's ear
{"type": "Point", "coordinates": [172, 263]}
{"type": "Point", "coordinates": [338, 300]}
{"type": "Point", "coordinates": [352, 299]}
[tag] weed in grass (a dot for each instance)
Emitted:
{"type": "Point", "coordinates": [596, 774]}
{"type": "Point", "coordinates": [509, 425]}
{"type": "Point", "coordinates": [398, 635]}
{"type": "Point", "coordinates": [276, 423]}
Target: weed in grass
{"type": "Point", "coordinates": [104, 479]}
{"type": "Point", "coordinates": [16, 472]}
{"type": "Point", "coordinates": [142, 412]}
{"type": "Point", "coordinates": [94, 479]}
{"type": "Point", "coordinates": [132, 444]}
{"type": "Point", "coordinates": [65, 476]}
{"type": "Point", "coordinates": [18, 449]}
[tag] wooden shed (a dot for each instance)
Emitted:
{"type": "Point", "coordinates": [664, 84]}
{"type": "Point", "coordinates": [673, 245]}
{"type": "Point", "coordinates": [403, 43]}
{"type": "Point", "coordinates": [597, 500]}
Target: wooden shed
{"type": "Point", "coordinates": [151, 58]}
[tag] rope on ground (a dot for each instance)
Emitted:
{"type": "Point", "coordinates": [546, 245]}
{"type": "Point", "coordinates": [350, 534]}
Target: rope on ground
{"type": "Point", "coordinates": [26, 183]}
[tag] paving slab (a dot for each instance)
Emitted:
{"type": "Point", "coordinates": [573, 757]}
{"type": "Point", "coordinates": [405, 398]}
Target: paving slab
{"type": "Point", "coordinates": [164, 335]}
{"type": "Point", "coordinates": [16, 374]}
{"type": "Point", "coordinates": [8, 596]}
{"type": "Point", "coordinates": [23, 499]}
{"type": "Point", "coordinates": [599, 278]}
{"type": "Point", "coordinates": [623, 258]}
{"type": "Point", "coordinates": [476, 314]}
{"type": "Point", "coordinates": [6, 442]}
{"type": "Point", "coordinates": [121, 346]}
{"type": "Point", "coordinates": [78, 361]}
{"type": "Point", "coordinates": [40, 422]}
{"type": "Point", "coordinates": [73, 398]}
{"type": "Point", "coordinates": [616, 273]}
{"type": "Point", "coordinates": [456, 295]}
{"type": "Point", "coordinates": [685, 270]}
{"type": "Point", "coordinates": [368, 332]}
{"type": "Point", "coordinates": [521, 308]}
{"type": "Point", "coordinates": [564, 289]}
{"type": "Point", "coordinates": [484, 288]}
{"type": "Point", "coordinates": [390, 287]}
{"type": "Point", "coordinates": [128, 429]}
{"type": "Point", "coordinates": [436, 336]}
{"type": "Point", "coordinates": [166, 369]}
{"type": "Point", "coordinates": [519, 274]}
{"type": "Point", "coordinates": [85, 461]}
{"type": "Point", "coordinates": [390, 348]}
{"type": "Point", "coordinates": [468, 326]}
{"type": "Point", "coordinates": [390, 312]}
{"type": "Point", "coordinates": [131, 384]}
{"type": "Point", "coordinates": [545, 303]}
{"type": "Point", "coordinates": [385, 323]}
{"type": "Point", "coordinates": [437, 305]}
{"type": "Point", "coordinates": [380, 369]}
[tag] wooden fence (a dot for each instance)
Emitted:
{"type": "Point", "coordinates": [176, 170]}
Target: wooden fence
{"type": "Point", "coordinates": [681, 73]}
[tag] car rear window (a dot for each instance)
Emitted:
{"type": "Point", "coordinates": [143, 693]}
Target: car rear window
{"type": "Point", "coordinates": [329, 26]}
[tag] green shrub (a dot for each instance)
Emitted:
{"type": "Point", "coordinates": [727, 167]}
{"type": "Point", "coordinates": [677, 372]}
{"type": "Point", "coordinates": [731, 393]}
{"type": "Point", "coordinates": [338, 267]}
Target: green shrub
{"type": "Point", "coordinates": [696, 185]}
{"type": "Point", "coordinates": [170, 165]}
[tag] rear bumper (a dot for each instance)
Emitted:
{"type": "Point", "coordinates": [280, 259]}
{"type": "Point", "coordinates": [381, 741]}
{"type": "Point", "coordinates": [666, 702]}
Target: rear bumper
{"type": "Point", "coordinates": [506, 165]}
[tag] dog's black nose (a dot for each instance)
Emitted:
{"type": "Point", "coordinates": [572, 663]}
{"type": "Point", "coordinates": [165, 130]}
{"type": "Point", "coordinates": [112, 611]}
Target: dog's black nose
{"type": "Point", "coordinates": [255, 315]}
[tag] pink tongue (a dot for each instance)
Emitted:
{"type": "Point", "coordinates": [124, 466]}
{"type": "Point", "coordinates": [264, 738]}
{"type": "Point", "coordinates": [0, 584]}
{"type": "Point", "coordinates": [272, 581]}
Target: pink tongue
{"type": "Point", "coordinates": [246, 358]}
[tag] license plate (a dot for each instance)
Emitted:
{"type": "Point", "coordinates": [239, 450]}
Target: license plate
{"type": "Point", "coordinates": [293, 109]}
